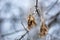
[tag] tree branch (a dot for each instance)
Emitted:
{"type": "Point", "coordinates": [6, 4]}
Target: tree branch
{"type": "Point", "coordinates": [51, 6]}
{"type": "Point", "coordinates": [23, 34]}
{"type": "Point", "coordinates": [53, 17]}
{"type": "Point", "coordinates": [37, 8]}
{"type": "Point", "coordinates": [11, 33]}
{"type": "Point", "coordinates": [24, 26]}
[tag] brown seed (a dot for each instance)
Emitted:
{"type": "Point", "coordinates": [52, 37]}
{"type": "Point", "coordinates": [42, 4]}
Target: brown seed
{"type": "Point", "coordinates": [31, 21]}
{"type": "Point", "coordinates": [43, 30]}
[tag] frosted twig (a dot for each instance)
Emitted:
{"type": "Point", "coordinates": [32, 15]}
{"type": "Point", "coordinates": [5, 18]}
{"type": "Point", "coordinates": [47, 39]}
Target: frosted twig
{"type": "Point", "coordinates": [23, 34]}
{"type": "Point", "coordinates": [37, 8]}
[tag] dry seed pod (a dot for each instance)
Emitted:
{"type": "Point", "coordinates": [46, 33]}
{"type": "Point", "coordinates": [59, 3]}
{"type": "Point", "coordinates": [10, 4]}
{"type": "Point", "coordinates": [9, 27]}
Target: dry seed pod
{"type": "Point", "coordinates": [43, 30]}
{"type": "Point", "coordinates": [31, 22]}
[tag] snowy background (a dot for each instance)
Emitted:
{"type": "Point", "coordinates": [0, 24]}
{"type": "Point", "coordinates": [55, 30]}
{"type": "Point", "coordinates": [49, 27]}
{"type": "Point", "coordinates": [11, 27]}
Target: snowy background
{"type": "Point", "coordinates": [12, 12]}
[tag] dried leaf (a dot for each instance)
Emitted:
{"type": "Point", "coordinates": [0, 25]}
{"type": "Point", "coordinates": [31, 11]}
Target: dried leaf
{"type": "Point", "coordinates": [43, 30]}
{"type": "Point", "coordinates": [31, 22]}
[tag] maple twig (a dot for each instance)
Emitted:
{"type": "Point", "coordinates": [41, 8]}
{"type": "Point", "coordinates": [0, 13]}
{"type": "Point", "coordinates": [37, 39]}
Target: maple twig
{"type": "Point", "coordinates": [37, 8]}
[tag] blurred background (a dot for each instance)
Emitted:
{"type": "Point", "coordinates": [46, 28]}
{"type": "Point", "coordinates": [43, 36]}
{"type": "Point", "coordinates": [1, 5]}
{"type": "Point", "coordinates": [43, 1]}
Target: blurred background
{"type": "Point", "coordinates": [12, 12]}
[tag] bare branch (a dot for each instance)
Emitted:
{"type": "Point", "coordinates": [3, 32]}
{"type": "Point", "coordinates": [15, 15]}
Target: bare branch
{"type": "Point", "coordinates": [11, 33]}
{"type": "Point", "coordinates": [23, 34]}
{"type": "Point", "coordinates": [53, 18]}
{"type": "Point", "coordinates": [37, 8]}
{"type": "Point", "coordinates": [55, 36]}
{"type": "Point", "coordinates": [24, 26]}
{"type": "Point", "coordinates": [51, 6]}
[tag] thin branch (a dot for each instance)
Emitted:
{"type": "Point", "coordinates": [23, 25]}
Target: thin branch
{"type": "Point", "coordinates": [24, 26]}
{"type": "Point", "coordinates": [11, 33]}
{"type": "Point", "coordinates": [37, 8]}
{"type": "Point", "coordinates": [23, 34]}
{"type": "Point", "coordinates": [53, 18]}
{"type": "Point", "coordinates": [54, 36]}
{"type": "Point", "coordinates": [51, 6]}
{"type": "Point", "coordinates": [16, 32]}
